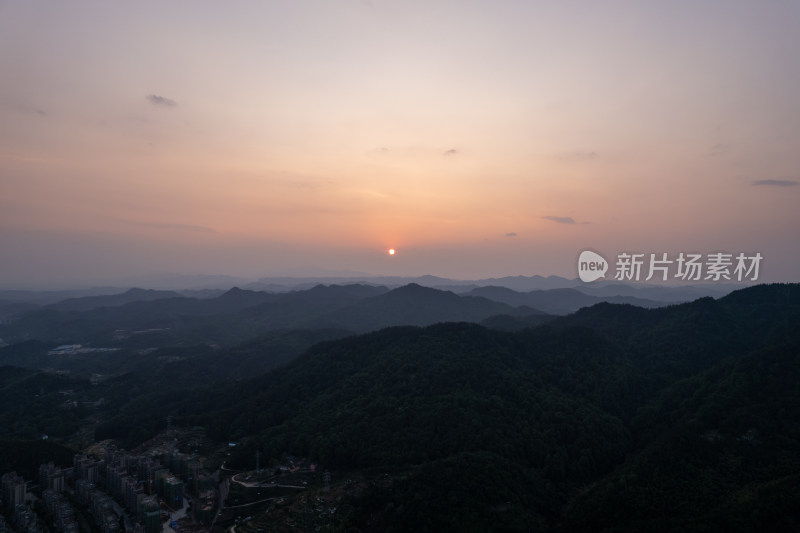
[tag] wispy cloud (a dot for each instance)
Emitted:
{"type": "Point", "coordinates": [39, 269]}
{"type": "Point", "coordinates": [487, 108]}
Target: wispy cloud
{"type": "Point", "coordinates": [776, 183]}
{"type": "Point", "coordinates": [560, 220]}
{"type": "Point", "coordinates": [161, 101]}
{"type": "Point", "coordinates": [30, 110]}
{"type": "Point", "coordinates": [414, 151]}
{"type": "Point", "coordinates": [511, 234]}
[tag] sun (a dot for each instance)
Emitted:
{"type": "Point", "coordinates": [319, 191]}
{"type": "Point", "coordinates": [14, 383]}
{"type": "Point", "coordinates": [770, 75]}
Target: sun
{"type": "Point", "coordinates": [391, 251]}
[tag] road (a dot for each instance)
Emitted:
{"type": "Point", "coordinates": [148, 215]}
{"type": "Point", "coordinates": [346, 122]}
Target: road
{"type": "Point", "coordinates": [252, 484]}
{"type": "Point", "coordinates": [180, 513]}
{"type": "Point", "coordinates": [222, 490]}
{"type": "Point", "coordinates": [252, 503]}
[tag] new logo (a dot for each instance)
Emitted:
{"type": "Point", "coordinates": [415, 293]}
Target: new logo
{"type": "Point", "coordinates": [591, 266]}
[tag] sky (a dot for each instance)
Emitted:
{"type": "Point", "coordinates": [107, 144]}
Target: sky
{"type": "Point", "coordinates": [476, 138]}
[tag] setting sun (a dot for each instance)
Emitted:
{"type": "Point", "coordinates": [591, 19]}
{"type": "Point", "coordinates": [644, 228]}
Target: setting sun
{"type": "Point", "coordinates": [391, 251]}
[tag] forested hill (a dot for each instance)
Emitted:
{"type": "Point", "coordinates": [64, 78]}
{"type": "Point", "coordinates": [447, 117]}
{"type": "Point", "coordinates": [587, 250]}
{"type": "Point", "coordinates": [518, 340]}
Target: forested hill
{"type": "Point", "coordinates": [616, 418]}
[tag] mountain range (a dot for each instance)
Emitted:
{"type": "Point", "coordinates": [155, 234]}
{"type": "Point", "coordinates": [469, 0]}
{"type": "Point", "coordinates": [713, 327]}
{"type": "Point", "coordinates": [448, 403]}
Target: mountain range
{"type": "Point", "coordinates": [238, 314]}
{"type": "Point", "coordinates": [438, 411]}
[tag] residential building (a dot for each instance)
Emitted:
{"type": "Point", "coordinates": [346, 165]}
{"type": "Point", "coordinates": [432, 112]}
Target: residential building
{"type": "Point", "coordinates": [14, 490]}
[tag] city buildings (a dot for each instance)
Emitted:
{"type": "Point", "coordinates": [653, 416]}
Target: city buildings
{"type": "Point", "coordinates": [14, 490]}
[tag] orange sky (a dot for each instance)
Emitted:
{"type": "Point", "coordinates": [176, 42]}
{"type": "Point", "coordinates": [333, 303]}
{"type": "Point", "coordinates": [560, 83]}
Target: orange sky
{"type": "Point", "coordinates": [477, 138]}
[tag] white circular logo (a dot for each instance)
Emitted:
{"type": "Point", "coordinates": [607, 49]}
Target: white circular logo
{"type": "Point", "coordinates": [591, 266]}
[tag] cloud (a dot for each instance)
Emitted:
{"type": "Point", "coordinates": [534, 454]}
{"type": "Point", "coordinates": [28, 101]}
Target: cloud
{"type": "Point", "coordinates": [160, 101]}
{"type": "Point", "coordinates": [29, 110]}
{"type": "Point", "coordinates": [776, 183]}
{"type": "Point", "coordinates": [560, 220]}
{"type": "Point", "coordinates": [511, 234]}
{"type": "Point", "coordinates": [417, 151]}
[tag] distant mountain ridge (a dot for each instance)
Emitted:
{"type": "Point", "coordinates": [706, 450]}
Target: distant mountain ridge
{"type": "Point", "coordinates": [211, 286]}
{"type": "Point", "coordinates": [112, 300]}
{"type": "Point", "coordinates": [611, 287]}
{"type": "Point", "coordinates": [415, 305]}
{"type": "Point", "coordinates": [437, 282]}
{"type": "Point", "coordinates": [556, 301]}
{"type": "Point", "coordinates": [239, 314]}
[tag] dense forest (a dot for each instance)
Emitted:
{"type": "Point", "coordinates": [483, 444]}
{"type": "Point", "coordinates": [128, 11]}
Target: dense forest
{"type": "Point", "coordinates": [613, 418]}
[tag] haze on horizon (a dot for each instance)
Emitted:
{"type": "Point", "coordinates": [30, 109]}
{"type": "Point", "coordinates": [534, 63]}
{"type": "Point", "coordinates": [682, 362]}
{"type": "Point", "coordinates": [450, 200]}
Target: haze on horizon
{"type": "Point", "coordinates": [478, 139]}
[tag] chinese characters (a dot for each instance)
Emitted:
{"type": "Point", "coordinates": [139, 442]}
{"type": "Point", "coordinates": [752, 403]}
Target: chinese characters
{"type": "Point", "coordinates": [688, 266]}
